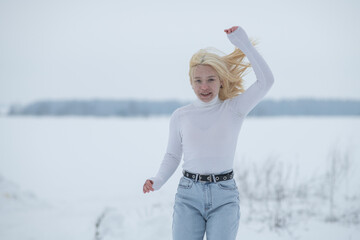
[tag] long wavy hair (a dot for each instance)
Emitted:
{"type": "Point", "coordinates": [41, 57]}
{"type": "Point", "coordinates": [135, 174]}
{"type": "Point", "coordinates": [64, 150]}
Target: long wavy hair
{"type": "Point", "coordinates": [230, 69]}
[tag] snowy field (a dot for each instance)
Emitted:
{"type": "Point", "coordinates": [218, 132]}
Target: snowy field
{"type": "Point", "coordinates": [81, 178]}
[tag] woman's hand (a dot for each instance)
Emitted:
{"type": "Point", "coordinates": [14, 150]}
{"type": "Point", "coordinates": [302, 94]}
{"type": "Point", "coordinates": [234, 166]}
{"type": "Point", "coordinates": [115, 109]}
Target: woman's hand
{"type": "Point", "coordinates": [237, 36]}
{"type": "Point", "coordinates": [230, 30]}
{"type": "Point", "coordinates": [148, 186]}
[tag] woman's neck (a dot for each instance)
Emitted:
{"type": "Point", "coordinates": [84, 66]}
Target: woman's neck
{"type": "Point", "coordinates": [214, 101]}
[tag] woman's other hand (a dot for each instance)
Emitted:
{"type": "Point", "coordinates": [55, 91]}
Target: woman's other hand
{"type": "Point", "coordinates": [148, 186]}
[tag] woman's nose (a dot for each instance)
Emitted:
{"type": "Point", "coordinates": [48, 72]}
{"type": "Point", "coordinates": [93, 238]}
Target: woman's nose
{"type": "Point", "coordinates": [204, 86]}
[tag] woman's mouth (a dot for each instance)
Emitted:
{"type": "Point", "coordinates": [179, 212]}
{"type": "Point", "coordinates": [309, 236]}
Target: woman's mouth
{"type": "Point", "coordinates": [205, 94]}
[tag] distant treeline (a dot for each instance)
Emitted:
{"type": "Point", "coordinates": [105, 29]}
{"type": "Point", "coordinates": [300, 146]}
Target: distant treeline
{"type": "Point", "coordinates": [134, 108]}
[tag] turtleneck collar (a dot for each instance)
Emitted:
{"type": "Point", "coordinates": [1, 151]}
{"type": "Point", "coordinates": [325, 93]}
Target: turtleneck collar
{"type": "Point", "coordinates": [199, 103]}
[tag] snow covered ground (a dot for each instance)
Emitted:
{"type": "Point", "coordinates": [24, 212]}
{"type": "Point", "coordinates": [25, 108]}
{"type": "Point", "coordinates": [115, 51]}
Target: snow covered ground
{"type": "Point", "coordinates": [81, 178]}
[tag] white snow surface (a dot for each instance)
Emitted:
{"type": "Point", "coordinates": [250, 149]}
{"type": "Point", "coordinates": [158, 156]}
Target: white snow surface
{"type": "Point", "coordinates": [81, 178]}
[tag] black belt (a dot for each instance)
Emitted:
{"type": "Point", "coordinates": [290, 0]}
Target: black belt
{"type": "Point", "coordinates": [210, 177]}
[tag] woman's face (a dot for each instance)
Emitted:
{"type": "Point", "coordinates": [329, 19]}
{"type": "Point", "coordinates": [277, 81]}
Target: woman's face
{"type": "Point", "coordinates": [206, 83]}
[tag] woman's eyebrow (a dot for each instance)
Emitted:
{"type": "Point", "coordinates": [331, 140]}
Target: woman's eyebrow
{"type": "Point", "coordinates": [212, 76]}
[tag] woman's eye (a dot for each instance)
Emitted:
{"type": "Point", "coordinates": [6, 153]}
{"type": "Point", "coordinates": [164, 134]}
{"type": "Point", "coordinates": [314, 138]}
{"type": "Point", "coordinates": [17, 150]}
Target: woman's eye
{"type": "Point", "coordinates": [211, 80]}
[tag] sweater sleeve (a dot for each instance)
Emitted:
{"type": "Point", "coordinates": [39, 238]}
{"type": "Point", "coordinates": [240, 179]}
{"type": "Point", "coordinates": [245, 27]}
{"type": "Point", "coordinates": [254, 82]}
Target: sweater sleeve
{"type": "Point", "coordinates": [172, 156]}
{"type": "Point", "coordinates": [246, 101]}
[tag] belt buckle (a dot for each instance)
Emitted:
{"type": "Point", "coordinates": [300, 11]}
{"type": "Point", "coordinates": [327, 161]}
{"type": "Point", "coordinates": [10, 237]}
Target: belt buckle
{"type": "Point", "coordinates": [208, 179]}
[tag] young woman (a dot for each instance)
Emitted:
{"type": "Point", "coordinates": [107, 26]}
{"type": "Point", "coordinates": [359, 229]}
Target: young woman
{"type": "Point", "coordinates": [205, 133]}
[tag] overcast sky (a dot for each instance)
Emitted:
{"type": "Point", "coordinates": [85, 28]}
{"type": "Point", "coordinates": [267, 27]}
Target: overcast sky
{"type": "Point", "coordinates": [114, 49]}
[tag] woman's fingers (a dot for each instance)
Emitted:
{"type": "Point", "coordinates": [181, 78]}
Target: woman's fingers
{"type": "Point", "coordinates": [146, 189]}
{"type": "Point", "coordinates": [148, 186]}
{"type": "Point", "coordinates": [230, 30]}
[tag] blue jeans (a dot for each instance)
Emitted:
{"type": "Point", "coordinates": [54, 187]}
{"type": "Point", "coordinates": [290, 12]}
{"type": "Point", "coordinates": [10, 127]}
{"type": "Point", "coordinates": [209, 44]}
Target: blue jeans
{"type": "Point", "coordinates": [206, 207]}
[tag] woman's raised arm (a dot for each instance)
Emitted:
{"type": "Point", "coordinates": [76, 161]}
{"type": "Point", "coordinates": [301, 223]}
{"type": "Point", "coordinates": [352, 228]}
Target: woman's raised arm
{"type": "Point", "coordinates": [247, 100]}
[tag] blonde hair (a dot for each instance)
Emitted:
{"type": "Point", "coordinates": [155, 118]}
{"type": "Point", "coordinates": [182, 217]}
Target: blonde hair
{"type": "Point", "coordinates": [230, 69]}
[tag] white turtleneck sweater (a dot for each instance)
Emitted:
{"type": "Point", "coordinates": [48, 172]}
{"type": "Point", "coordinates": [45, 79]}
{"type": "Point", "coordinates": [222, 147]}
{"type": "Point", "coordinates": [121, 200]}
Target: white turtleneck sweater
{"type": "Point", "coordinates": [206, 133]}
